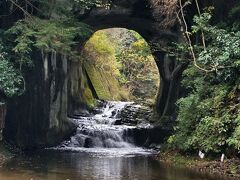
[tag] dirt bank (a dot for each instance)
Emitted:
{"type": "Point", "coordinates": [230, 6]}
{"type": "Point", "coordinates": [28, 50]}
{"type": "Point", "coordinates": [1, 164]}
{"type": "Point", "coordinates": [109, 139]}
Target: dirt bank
{"type": "Point", "coordinates": [229, 169]}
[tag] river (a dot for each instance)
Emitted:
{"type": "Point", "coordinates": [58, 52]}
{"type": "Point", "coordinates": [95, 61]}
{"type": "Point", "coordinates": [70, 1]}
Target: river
{"type": "Point", "coordinates": [99, 150]}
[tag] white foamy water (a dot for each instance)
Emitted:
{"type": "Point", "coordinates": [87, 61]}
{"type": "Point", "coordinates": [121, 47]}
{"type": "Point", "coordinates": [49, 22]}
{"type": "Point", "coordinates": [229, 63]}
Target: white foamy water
{"type": "Point", "coordinates": [98, 134]}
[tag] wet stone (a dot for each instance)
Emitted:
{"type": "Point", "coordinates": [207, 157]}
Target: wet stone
{"type": "Point", "coordinates": [115, 125]}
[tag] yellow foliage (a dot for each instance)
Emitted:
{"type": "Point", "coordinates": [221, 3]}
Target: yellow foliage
{"type": "Point", "coordinates": [101, 52]}
{"type": "Point", "coordinates": [100, 44]}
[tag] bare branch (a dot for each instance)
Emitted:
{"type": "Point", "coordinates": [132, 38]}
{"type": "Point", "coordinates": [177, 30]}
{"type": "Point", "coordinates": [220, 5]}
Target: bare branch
{"type": "Point", "coordinates": [187, 35]}
{"type": "Point", "coordinates": [203, 36]}
{"type": "Point", "coordinates": [21, 8]}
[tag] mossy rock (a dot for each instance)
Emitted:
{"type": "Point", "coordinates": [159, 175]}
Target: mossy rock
{"type": "Point", "coordinates": [87, 94]}
{"type": "Point", "coordinates": [104, 83]}
{"type": "Point", "coordinates": [88, 97]}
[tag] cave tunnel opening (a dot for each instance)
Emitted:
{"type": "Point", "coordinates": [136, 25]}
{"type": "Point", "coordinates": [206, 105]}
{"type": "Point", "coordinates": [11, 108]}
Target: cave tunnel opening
{"type": "Point", "coordinates": [117, 65]}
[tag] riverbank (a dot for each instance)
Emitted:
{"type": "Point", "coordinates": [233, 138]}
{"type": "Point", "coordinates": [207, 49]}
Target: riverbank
{"type": "Point", "coordinates": [230, 168]}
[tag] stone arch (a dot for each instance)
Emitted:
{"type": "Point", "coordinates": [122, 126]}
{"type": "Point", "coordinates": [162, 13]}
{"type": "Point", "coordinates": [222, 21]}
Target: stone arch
{"type": "Point", "coordinates": [138, 15]}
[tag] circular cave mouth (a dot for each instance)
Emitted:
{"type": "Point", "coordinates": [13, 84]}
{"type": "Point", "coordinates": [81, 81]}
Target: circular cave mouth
{"type": "Point", "coordinates": [119, 66]}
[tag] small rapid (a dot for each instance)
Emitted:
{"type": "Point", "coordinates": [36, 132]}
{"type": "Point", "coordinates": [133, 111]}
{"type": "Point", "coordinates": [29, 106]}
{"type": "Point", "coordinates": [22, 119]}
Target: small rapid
{"type": "Point", "coordinates": [100, 133]}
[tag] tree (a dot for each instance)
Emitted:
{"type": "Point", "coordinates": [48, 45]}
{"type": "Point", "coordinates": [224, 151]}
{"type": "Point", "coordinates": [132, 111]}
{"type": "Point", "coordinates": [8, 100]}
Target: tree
{"type": "Point", "coordinates": [208, 116]}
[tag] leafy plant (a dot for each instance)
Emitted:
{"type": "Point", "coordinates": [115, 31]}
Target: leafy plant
{"type": "Point", "coordinates": [28, 35]}
{"type": "Point", "coordinates": [208, 117]}
{"type": "Point", "coordinates": [11, 81]}
{"type": "Point", "coordinates": [47, 36]}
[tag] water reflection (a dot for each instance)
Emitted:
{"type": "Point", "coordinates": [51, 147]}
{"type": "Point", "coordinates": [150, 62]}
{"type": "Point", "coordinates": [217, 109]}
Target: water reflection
{"type": "Point", "coordinates": [52, 165]}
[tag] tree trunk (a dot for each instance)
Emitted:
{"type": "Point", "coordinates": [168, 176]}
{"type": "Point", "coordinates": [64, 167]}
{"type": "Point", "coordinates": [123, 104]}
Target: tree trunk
{"type": "Point", "coordinates": [170, 77]}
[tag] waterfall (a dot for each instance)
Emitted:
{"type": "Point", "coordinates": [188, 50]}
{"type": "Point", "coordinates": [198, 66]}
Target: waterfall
{"type": "Point", "coordinates": [100, 131]}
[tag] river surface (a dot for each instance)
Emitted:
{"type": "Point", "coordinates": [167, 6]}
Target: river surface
{"type": "Point", "coordinates": [55, 165]}
{"type": "Point", "coordinates": [99, 150]}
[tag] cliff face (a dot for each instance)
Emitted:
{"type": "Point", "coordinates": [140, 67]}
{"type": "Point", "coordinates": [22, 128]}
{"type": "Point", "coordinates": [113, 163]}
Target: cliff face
{"type": "Point", "coordinates": [81, 94]}
{"type": "Point", "coordinates": [55, 88]}
{"type": "Point", "coordinates": [39, 117]}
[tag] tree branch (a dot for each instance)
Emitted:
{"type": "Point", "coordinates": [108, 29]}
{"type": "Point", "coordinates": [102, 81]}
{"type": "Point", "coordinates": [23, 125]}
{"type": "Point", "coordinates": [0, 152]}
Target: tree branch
{"type": "Point", "coordinates": [203, 36]}
{"type": "Point", "coordinates": [21, 8]}
{"type": "Point", "coordinates": [189, 40]}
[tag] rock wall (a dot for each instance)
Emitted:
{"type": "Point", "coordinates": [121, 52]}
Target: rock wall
{"type": "Point", "coordinates": [81, 94]}
{"type": "Point", "coordinates": [104, 84]}
{"type": "Point", "coordinates": [39, 117]}
{"type": "Point", "coordinates": [2, 118]}
{"type": "Point", "coordinates": [55, 88]}
{"type": "Point", "coordinates": [86, 83]}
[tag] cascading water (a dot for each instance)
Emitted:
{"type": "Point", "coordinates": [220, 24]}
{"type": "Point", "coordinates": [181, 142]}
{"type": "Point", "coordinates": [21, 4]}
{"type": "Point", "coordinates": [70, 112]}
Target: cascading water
{"type": "Point", "coordinates": [98, 133]}
{"type": "Point", "coordinates": [100, 150]}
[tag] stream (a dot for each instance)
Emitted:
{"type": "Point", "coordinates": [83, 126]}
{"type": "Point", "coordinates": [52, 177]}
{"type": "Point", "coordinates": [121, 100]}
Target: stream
{"type": "Point", "coordinates": [101, 149]}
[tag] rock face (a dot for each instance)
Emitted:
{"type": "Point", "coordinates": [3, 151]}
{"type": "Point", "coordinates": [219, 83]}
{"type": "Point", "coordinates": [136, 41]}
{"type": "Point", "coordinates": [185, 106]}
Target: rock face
{"type": "Point", "coordinates": [2, 118]}
{"type": "Point", "coordinates": [144, 133]}
{"type": "Point", "coordinates": [132, 115]}
{"type": "Point", "coordinates": [39, 117]}
{"type": "Point", "coordinates": [136, 15]}
{"type": "Point", "coordinates": [104, 84]}
{"type": "Point", "coordinates": [81, 94]}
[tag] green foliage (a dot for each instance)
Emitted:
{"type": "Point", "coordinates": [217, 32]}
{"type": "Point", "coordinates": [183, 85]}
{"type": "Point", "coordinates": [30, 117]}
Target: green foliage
{"type": "Point", "coordinates": [234, 141]}
{"type": "Point", "coordinates": [208, 117]}
{"type": "Point", "coordinates": [234, 18]}
{"type": "Point", "coordinates": [138, 71]}
{"type": "Point", "coordinates": [10, 79]}
{"type": "Point", "coordinates": [28, 35]}
{"type": "Point", "coordinates": [101, 51]}
{"type": "Point", "coordinates": [100, 43]}
{"type": "Point", "coordinates": [223, 49]}
{"type": "Point", "coordinates": [55, 9]}
{"type": "Point", "coordinates": [46, 35]}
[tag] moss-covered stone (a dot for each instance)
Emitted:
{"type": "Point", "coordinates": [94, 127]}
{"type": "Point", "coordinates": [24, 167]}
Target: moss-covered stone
{"type": "Point", "coordinates": [104, 83]}
{"type": "Point", "coordinates": [87, 94]}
